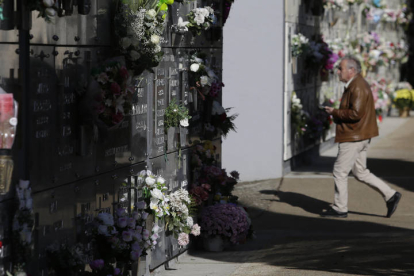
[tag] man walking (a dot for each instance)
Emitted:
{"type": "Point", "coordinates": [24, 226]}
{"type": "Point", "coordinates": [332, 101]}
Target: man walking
{"type": "Point", "coordinates": [356, 124]}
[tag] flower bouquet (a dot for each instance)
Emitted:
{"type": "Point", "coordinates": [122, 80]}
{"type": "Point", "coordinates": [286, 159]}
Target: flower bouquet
{"type": "Point", "coordinates": [403, 100]}
{"type": "Point", "coordinates": [154, 189]}
{"type": "Point", "coordinates": [139, 31]}
{"type": "Point", "coordinates": [121, 239]}
{"type": "Point", "coordinates": [202, 78]}
{"type": "Point", "coordinates": [299, 44]}
{"type": "Point", "coordinates": [66, 260]}
{"type": "Point", "coordinates": [200, 19]}
{"type": "Point", "coordinates": [179, 220]}
{"type": "Point", "coordinates": [220, 123]}
{"type": "Point", "coordinates": [114, 100]}
{"type": "Point", "coordinates": [228, 221]}
{"type": "Point", "coordinates": [298, 118]}
{"type": "Point", "coordinates": [176, 115]}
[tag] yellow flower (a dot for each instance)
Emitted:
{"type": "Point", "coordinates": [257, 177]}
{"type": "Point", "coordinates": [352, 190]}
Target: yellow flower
{"type": "Point", "coordinates": [404, 94]}
{"type": "Point", "coordinates": [208, 145]}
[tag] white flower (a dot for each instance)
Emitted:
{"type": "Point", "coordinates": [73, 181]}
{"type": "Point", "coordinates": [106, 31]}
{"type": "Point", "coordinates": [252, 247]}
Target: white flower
{"type": "Point", "coordinates": [196, 230]}
{"type": "Point", "coordinates": [183, 239]}
{"type": "Point", "coordinates": [145, 172]}
{"type": "Point", "coordinates": [203, 11]}
{"type": "Point", "coordinates": [160, 180]}
{"type": "Point", "coordinates": [190, 222]}
{"type": "Point", "coordinates": [182, 25]}
{"type": "Point", "coordinates": [209, 9]}
{"type": "Point", "coordinates": [194, 67]}
{"type": "Point", "coordinates": [134, 55]}
{"type": "Point", "coordinates": [157, 49]}
{"type": "Point", "coordinates": [48, 3]}
{"type": "Point", "coordinates": [184, 122]}
{"type": "Point", "coordinates": [120, 105]}
{"type": "Point", "coordinates": [150, 181]}
{"type": "Point", "coordinates": [204, 80]}
{"type": "Point", "coordinates": [199, 19]}
{"type": "Point", "coordinates": [151, 13]}
{"type": "Point", "coordinates": [125, 42]}
{"type": "Point", "coordinates": [217, 109]}
{"type": "Point", "coordinates": [154, 204]}
{"type": "Point", "coordinates": [108, 102]}
{"type": "Point", "coordinates": [50, 12]}
{"type": "Point", "coordinates": [157, 194]}
{"type": "Point", "coordinates": [156, 228]}
{"type": "Point", "coordinates": [155, 39]}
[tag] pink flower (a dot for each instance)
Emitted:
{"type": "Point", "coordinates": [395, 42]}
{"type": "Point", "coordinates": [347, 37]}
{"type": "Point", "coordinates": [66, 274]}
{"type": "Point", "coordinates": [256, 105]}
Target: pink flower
{"type": "Point", "coordinates": [183, 239]}
{"type": "Point", "coordinates": [115, 88]}
{"type": "Point", "coordinates": [195, 230]}
{"type": "Point", "coordinates": [145, 234]}
{"type": "Point", "coordinates": [97, 264]}
{"type": "Point", "coordinates": [123, 72]}
{"type": "Point", "coordinates": [154, 237]}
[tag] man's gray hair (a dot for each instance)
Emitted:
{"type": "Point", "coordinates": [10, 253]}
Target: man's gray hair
{"type": "Point", "coordinates": [353, 62]}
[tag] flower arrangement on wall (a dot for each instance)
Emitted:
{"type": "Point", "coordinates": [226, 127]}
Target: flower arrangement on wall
{"type": "Point", "coordinates": [113, 102]}
{"type": "Point", "coordinates": [200, 19]}
{"type": "Point", "coordinates": [176, 115]}
{"type": "Point", "coordinates": [299, 44]}
{"type": "Point", "coordinates": [298, 117]}
{"type": "Point", "coordinates": [139, 30]}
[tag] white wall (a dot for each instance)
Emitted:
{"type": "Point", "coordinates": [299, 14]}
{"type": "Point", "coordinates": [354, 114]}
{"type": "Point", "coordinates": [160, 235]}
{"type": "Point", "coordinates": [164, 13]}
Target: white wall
{"type": "Point", "coordinates": [253, 74]}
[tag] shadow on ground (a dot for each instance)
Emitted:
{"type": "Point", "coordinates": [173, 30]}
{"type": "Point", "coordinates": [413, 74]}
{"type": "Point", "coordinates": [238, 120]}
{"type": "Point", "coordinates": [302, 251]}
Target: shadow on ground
{"type": "Point", "coordinates": [326, 245]}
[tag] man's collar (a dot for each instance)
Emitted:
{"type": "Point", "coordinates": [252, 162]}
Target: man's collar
{"type": "Point", "coordinates": [349, 82]}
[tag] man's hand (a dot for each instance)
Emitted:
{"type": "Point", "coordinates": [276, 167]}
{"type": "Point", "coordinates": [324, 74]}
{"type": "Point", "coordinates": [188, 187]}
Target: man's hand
{"type": "Point", "coordinates": [329, 110]}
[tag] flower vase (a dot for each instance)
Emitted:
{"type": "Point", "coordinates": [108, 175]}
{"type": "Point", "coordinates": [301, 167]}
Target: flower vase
{"type": "Point", "coordinates": [213, 243]}
{"type": "Point", "coordinates": [172, 138]}
{"type": "Point", "coordinates": [294, 65]}
{"type": "Point", "coordinates": [404, 112]}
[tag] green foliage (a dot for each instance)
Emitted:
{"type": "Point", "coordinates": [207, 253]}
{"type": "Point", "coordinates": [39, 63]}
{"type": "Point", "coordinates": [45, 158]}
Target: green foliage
{"type": "Point", "coordinates": [174, 114]}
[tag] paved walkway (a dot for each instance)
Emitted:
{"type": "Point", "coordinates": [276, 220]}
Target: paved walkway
{"type": "Point", "coordinates": [292, 239]}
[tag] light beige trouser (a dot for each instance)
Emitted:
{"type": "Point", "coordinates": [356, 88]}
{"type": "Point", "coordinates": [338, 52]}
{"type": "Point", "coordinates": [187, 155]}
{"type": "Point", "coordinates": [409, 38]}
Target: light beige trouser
{"type": "Point", "coordinates": [353, 156]}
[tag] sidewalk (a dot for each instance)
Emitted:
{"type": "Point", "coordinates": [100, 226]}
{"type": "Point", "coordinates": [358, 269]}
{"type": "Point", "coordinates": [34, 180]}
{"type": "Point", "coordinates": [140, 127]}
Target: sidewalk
{"type": "Point", "coordinates": [292, 239]}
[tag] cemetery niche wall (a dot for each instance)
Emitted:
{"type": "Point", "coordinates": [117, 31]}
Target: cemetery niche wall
{"type": "Point", "coordinates": [93, 80]}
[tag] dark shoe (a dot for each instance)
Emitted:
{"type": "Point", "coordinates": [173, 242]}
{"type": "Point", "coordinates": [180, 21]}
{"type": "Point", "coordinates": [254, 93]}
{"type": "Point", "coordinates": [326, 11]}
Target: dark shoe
{"type": "Point", "coordinates": [392, 204]}
{"type": "Point", "coordinates": [332, 213]}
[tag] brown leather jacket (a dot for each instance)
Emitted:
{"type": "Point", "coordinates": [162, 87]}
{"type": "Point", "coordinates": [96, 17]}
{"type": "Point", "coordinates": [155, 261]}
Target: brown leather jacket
{"type": "Point", "coordinates": [356, 119]}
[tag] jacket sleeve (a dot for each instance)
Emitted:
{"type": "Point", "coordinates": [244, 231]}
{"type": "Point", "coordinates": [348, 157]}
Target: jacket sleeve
{"type": "Point", "coordinates": [356, 108]}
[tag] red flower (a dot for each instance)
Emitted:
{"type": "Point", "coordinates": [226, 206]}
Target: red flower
{"type": "Point", "coordinates": [118, 117]}
{"type": "Point", "coordinates": [1, 244]}
{"type": "Point", "coordinates": [115, 88]}
{"type": "Point", "coordinates": [123, 72]}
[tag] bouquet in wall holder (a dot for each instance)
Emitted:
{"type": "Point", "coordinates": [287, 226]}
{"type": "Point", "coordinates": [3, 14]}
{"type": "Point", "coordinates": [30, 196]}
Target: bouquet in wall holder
{"type": "Point", "coordinates": [139, 30]}
{"type": "Point", "coordinates": [297, 115]}
{"type": "Point", "coordinates": [47, 8]}
{"type": "Point", "coordinates": [200, 19]}
{"type": "Point", "coordinates": [115, 92]}
{"type": "Point", "coordinates": [299, 44]}
{"type": "Point", "coordinates": [180, 222]}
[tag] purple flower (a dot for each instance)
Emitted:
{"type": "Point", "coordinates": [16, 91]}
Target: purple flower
{"type": "Point", "coordinates": [136, 235]}
{"type": "Point", "coordinates": [127, 236]}
{"type": "Point", "coordinates": [136, 215]}
{"type": "Point", "coordinates": [117, 271]}
{"type": "Point", "coordinates": [122, 222]}
{"type": "Point", "coordinates": [121, 212]}
{"type": "Point", "coordinates": [144, 215]}
{"type": "Point", "coordinates": [131, 223]}
{"type": "Point", "coordinates": [135, 247]}
{"type": "Point", "coordinates": [134, 255]}
{"type": "Point", "coordinates": [138, 229]}
{"type": "Point", "coordinates": [141, 205]}
{"type": "Point", "coordinates": [97, 264]}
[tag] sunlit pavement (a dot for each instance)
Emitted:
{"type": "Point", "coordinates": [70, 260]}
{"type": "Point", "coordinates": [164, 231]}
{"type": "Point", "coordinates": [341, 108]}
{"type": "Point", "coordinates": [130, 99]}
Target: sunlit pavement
{"type": "Point", "coordinates": [292, 239]}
